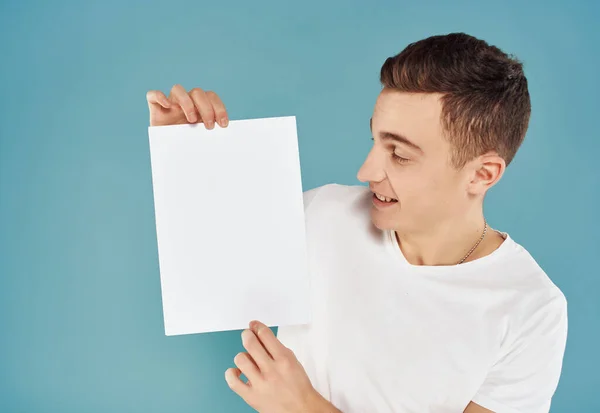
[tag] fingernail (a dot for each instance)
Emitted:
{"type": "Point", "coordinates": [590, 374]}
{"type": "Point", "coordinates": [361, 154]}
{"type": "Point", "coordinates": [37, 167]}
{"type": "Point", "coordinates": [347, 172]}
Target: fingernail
{"type": "Point", "coordinates": [209, 124]}
{"type": "Point", "coordinates": [223, 122]}
{"type": "Point", "coordinates": [192, 117]}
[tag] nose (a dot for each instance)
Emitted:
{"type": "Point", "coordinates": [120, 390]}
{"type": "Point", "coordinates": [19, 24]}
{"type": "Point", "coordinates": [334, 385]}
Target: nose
{"type": "Point", "coordinates": [372, 169]}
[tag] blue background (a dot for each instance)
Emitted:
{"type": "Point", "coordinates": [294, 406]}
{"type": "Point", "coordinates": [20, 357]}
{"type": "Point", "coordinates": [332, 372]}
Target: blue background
{"type": "Point", "coordinates": [81, 326]}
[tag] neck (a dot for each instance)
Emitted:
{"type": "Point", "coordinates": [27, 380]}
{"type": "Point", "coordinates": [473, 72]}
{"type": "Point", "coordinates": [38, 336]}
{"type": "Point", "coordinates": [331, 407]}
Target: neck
{"type": "Point", "coordinates": [447, 242]}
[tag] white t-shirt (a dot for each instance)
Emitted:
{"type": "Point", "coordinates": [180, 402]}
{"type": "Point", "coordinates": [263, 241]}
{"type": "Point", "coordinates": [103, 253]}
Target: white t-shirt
{"type": "Point", "coordinates": [389, 336]}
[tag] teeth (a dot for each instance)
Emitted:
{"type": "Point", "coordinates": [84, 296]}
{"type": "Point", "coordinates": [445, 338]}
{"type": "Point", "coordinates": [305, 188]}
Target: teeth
{"type": "Point", "coordinates": [383, 198]}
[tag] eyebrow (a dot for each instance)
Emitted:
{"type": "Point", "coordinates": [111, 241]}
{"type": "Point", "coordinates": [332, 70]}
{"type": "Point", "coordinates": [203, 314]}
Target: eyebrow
{"type": "Point", "coordinates": [397, 138]}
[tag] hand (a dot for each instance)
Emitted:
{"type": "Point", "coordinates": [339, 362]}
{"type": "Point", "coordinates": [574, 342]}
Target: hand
{"type": "Point", "coordinates": [183, 107]}
{"type": "Point", "coordinates": [277, 382]}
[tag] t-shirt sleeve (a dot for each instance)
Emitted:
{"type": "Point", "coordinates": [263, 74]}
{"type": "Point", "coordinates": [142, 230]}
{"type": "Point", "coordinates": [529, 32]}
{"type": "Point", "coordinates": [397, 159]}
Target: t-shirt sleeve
{"type": "Point", "coordinates": [309, 195]}
{"type": "Point", "coordinates": [526, 375]}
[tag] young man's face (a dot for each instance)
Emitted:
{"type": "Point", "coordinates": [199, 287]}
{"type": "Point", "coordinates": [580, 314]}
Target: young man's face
{"type": "Point", "coordinates": [410, 162]}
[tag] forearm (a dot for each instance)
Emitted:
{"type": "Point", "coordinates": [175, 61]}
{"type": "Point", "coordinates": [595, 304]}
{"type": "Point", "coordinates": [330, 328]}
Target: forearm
{"type": "Point", "coordinates": [329, 408]}
{"type": "Point", "coordinates": [322, 405]}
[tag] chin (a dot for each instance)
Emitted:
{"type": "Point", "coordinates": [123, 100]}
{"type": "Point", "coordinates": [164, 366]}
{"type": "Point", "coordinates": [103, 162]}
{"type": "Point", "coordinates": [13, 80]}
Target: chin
{"type": "Point", "coordinates": [382, 220]}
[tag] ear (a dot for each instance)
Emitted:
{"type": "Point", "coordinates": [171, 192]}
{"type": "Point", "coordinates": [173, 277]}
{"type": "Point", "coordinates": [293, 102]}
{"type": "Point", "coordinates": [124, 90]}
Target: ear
{"type": "Point", "coordinates": [487, 171]}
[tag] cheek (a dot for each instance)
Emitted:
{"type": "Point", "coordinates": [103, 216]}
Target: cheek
{"type": "Point", "coordinates": [423, 188]}
{"type": "Point", "coordinates": [414, 185]}
{"type": "Point", "coordinates": [445, 191]}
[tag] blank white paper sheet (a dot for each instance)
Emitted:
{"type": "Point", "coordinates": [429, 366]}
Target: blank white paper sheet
{"type": "Point", "coordinates": [230, 225]}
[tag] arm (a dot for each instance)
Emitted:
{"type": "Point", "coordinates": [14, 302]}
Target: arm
{"type": "Point", "coordinates": [475, 408]}
{"type": "Point", "coordinates": [323, 406]}
{"type": "Point", "coordinates": [523, 378]}
{"type": "Point", "coordinates": [277, 382]}
{"type": "Point", "coordinates": [526, 371]}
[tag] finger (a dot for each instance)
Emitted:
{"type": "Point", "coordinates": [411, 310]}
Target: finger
{"type": "Point", "coordinates": [204, 106]}
{"type": "Point", "coordinates": [232, 376]}
{"type": "Point", "coordinates": [156, 96]}
{"type": "Point", "coordinates": [256, 350]}
{"type": "Point", "coordinates": [181, 97]}
{"type": "Point", "coordinates": [271, 343]}
{"type": "Point", "coordinates": [219, 108]}
{"type": "Point", "coordinates": [244, 362]}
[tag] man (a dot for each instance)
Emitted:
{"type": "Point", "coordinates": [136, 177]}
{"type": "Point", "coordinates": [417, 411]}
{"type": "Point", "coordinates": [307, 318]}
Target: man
{"type": "Point", "coordinates": [418, 305]}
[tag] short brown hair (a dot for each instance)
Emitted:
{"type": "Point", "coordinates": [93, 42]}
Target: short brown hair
{"type": "Point", "coordinates": [485, 103]}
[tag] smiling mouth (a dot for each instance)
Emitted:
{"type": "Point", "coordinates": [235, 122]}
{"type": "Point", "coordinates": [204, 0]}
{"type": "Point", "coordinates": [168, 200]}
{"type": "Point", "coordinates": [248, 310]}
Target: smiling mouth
{"type": "Point", "coordinates": [380, 200]}
{"type": "Point", "coordinates": [384, 198]}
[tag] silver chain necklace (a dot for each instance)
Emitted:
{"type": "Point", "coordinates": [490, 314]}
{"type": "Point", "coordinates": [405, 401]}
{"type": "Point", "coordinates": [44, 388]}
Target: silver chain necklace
{"type": "Point", "coordinates": [477, 243]}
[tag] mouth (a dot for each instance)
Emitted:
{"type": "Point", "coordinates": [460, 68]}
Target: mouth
{"type": "Point", "coordinates": [383, 201]}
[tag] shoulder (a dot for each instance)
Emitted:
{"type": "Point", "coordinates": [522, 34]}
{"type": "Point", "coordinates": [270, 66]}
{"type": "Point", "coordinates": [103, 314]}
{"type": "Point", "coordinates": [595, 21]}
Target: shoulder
{"type": "Point", "coordinates": [539, 305]}
{"type": "Point", "coordinates": [335, 213]}
{"type": "Point", "coordinates": [526, 274]}
{"type": "Point", "coordinates": [337, 199]}
{"type": "Point", "coordinates": [333, 194]}
{"type": "Point", "coordinates": [527, 366]}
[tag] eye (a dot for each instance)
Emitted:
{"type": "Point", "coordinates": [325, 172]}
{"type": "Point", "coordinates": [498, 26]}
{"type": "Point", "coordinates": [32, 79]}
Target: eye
{"type": "Point", "coordinates": [396, 158]}
{"type": "Point", "coordinates": [399, 159]}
